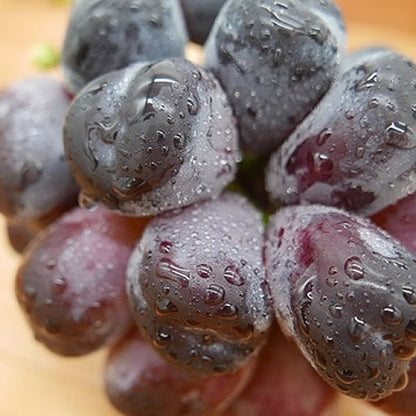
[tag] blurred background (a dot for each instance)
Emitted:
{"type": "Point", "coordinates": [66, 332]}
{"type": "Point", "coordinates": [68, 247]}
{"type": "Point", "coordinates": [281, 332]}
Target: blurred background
{"type": "Point", "coordinates": [33, 381]}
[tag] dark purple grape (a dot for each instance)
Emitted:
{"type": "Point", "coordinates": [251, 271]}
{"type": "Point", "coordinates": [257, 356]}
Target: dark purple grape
{"type": "Point", "coordinates": [140, 383]}
{"type": "Point", "coordinates": [152, 137]}
{"type": "Point", "coordinates": [196, 285]}
{"type": "Point", "coordinates": [35, 180]}
{"type": "Point", "coordinates": [275, 60]}
{"type": "Point", "coordinates": [105, 35]}
{"type": "Point", "coordinates": [71, 284]}
{"type": "Point", "coordinates": [357, 150]}
{"type": "Point", "coordinates": [284, 384]}
{"type": "Point", "coordinates": [346, 292]}
{"type": "Point", "coordinates": [200, 16]}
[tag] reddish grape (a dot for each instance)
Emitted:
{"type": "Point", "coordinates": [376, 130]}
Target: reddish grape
{"type": "Point", "coordinates": [399, 220]}
{"type": "Point", "coordinates": [71, 285]}
{"type": "Point", "coordinates": [197, 286]}
{"type": "Point", "coordinates": [346, 291]}
{"type": "Point", "coordinates": [357, 149]}
{"type": "Point", "coordinates": [140, 383]}
{"type": "Point", "coordinates": [283, 384]}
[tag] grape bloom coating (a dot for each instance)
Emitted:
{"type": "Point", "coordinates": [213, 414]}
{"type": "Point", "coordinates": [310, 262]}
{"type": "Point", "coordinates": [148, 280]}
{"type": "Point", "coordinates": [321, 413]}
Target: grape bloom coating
{"type": "Point", "coordinates": [357, 149]}
{"type": "Point", "coordinates": [35, 179]}
{"type": "Point", "coordinates": [152, 137]}
{"type": "Point", "coordinates": [105, 35]}
{"type": "Point", "coordinates": [275, 59]}
{"type": "Point", "coordinates": [197, 287]}
{"type": "Point", "coordinates": [345, 291]}
{"type": "Point", "coordinates": [71, 283]}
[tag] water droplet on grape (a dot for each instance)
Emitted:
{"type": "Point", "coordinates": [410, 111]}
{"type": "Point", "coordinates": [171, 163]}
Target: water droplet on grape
{"type": "Point", "coordinates": [354, 268]}
{"type": "Point", "coordinates": [233, 276]}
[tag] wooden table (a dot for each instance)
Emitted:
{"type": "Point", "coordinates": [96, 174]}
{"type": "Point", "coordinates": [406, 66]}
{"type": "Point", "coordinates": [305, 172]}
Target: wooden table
{"type": "Point", "coordinates": [33, 381]}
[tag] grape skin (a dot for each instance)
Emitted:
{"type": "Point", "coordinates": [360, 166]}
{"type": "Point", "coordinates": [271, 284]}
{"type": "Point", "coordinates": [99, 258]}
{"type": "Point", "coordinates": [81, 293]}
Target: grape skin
{"type": "Point", "coordinates": [127, 30]}
{"type": "Point", "coordinates": [71, 283]}
{"type": "Point", "coordinates": [140, 383]}
{"type": "Point", "coordinates": [283, 384]}
{"type": "Point", "coordinates": [344, 290]}
{"type": "Point", "coordinates": [35, 180]}
{"type": "Point", "coordinates": [357, 149]}
{"type": "Point", "coordinates": [275, 60]}
{"type": "Point", "coordinates": [151, 138]}
{"type": "Point", "coordinates": [197, 288]}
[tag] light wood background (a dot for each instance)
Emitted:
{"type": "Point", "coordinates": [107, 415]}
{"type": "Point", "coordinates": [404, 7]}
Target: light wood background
{"type": "Point", "coordinates": [33, 381]}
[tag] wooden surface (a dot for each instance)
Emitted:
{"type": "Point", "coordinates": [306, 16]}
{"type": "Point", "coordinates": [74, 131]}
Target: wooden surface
{"type": "Point", "coordinates": [33, 381]}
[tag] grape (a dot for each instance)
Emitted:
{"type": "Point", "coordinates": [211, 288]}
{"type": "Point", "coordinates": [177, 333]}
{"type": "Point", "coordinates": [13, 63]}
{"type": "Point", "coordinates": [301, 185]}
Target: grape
{"type": "Point", "coordinates": [197, 287]}
{"type": "Point", "coordinates": [283, 384]}
{"type": "Point", "coordinates": [357, 149]}
{"type": "Point", "coordinates": [346, 291]}
{"type": "Point", "coordinates": [200, 16]}
{"type": "Point", "coordinates": [105, 35]}
{"type": "Point", "coordinates": [399, 220]}
{"type": "Point", "coordinates": [35, 180]}
{"type": "Point", "coordinates": [152, 137]}
{"type": "Point", "coordinates": [71, 284]}
{"type": "Point", "coordinates": [20, 234]}
{"type": "Point", "coordinates": [140, 383]}
{"type": "Point", "coordinates": [275, 60]}
{"type": "Point", "coordinates": [402, 403]}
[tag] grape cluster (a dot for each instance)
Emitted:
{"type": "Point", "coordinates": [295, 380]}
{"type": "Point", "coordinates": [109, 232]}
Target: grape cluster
{"type": "Point", "coordinates": [170, 260]}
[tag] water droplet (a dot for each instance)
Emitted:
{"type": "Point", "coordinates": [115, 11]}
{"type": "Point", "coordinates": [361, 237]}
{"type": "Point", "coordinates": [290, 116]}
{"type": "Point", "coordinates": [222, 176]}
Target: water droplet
{"type": "Point", "coordinates": [30, 173]}
{"type": "Point", "coordinates": [391, 315]}
{"type": "Point", "coordinates": [323, 166]}
{"type": "Point", "coordinates": [354, 268]}
{"type": "Point", "coordinates": [404, 352]}
{"type": "Point", "coordinates": [192, 323]}
{"type": "Point", "coordinates": [373, 371]}
{"type": "Point", "coordinates": [409, 294]}
{"type": "Point", "coordinates": [346, 376]}
{"type": "Point", "coordinates": [214, 294]}
{"type": "Point", "coordinates": [227, 311]}
{"type": "Point", "coordinates": [373, 103]}
{"type": "Point", "coordinates": [358, 329]}
{"type": "Point", "coordinates": [179, 141]}
{"type": "Point", "coordinates": [411, 330]}
{"type": "Point", "coordinates": [401, 382]}
{"type": "Point", "coordinates": [167, 269]}
{"type": "Point", "coordinates": [204, 270]}
{"type": "Point", "coordinates": [233, 275]}
{"type": "Point", "coordinates": [162, 339]}
{"type": "Point", "coordinates": [244, 333]}
{"type": "Point", "coordinates": [367, 82]}
{"type": "Point", "coordinates": [165, 307]}
{"type": "Point", "coordinates": [128, 187]}
{"type": "Point", "coordinates": [165, 247]}
{"type": "Point", "coordinates": [59, 285]}
{"type": "Point", "coordinates": [336, 311]}
{"type": "Point", "coordinates": [192, 105]}
{"type": "Point", "coordinates": [277, 56]}
{"type": "Point", "coordinates": [320, 359]}
{"type": "Point", "coordinates": [359, 152]}
{"type": "Point", "coordinates": [400, 135]}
